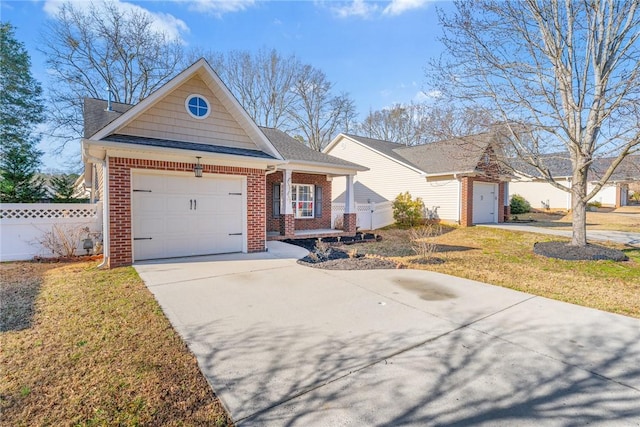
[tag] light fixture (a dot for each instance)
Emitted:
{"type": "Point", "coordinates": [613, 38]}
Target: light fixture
{"type": "Point", "coordinates": [197, 169]}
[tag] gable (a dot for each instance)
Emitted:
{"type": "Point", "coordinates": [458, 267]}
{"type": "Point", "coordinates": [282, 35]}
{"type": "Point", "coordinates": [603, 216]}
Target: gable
{"type": "Point", "coordinates": [168, 119]}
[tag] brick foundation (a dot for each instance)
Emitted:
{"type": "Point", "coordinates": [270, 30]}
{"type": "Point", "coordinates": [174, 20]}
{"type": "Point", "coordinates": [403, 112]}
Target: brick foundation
{"type": "Point", "coordinates": [350, 223]}
{"type": "Point", "coordinates": [120, 238]}
{"type": "Point", "coordinates": [287, 225]}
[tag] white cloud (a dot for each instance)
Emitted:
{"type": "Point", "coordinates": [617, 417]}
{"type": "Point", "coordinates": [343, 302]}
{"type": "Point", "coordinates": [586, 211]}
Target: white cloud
{"type": "Point", "coordinates": [398, 7]}
{"type": "Point", "coordinates": [422, 96]}
{"type": "Point", "coordinates": [358, 8]}
{"type": "Point", "coordinates": [162, 22]}
{"type": "Point", "coordinates": [220, 7]}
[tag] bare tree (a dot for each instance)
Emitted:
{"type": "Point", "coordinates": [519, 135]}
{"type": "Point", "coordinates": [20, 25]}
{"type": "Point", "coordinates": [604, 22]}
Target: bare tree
{"type": "Point", "coordinates": [414, 124]}
{"type": "Point", "coordinates": [317, 113]}
{"type": "Point", "coordinates": [567, 71]}
{"type": "Point", "coordinates": [100, 49]}
{"type": "Point", "coordinates": [399, 123]}
{"type": "Point", "coordinates": [262, 82]}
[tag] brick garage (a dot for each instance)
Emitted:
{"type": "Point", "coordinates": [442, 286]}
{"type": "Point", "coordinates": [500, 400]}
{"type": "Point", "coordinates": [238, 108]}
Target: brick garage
{"type": "Point", "coordinates": [120, 202]}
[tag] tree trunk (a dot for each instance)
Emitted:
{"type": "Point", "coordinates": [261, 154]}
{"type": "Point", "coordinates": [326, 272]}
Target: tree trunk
{"type": "Point", "coordinates": [579, 211]}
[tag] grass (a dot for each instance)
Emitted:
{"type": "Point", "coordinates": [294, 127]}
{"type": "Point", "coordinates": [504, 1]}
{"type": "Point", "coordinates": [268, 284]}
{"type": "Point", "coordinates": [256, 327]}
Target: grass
{"type": "Point", "coordinates": [85, 347]}
{"type": "Point", "coordinates": [506, 258]}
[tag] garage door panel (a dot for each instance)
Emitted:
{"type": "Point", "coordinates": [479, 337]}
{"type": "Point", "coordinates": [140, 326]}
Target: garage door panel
{"type": "Point", "coordinates": [150, 227]}
{"type": "Point", "coordinates": [186, 216]}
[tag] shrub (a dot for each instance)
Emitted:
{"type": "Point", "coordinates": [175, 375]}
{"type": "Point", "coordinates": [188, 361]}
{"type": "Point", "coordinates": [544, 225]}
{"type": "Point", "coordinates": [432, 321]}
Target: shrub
{"type": "Point", "coordinates": [406, 211]}
{"type": "Point", "coordinates": [421, 243]}
{"type": "Point", "coordinates": [596, 204]}
{"type": "Point", "coordinates": [519, 205]}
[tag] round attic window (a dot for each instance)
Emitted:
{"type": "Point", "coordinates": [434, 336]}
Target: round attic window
{"type": "Point", "coordinates": [197, 106]}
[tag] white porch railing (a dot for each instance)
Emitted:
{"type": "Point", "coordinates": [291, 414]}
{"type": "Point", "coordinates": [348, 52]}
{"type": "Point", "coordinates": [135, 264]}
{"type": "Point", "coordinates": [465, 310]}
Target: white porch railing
{"type": "Point", "coordinates": [23, 226]}
{"type": "Point", "coordinates": [370, 216]}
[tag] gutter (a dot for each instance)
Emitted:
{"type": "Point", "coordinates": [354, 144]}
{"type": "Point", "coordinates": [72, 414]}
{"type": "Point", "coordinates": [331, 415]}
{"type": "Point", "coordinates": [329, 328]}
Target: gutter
{"type": "Point", "coordinates": [105, 204]}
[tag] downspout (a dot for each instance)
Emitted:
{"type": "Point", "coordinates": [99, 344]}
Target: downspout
{"type": "Point", "coordinates": [269, 171]}
{"type": "Point", "coordinates": [458, 200]}
{"type": "Point", "coordinates": [105, 205]}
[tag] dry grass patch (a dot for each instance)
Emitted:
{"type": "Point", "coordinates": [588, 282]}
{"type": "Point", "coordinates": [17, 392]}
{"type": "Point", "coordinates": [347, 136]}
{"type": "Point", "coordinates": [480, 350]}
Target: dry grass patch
{"type": "Point", "coordinates": [97, 350]}
{"type": "Point", "coordinates": [506, 258]}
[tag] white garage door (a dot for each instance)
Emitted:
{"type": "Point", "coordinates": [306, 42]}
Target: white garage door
{"type": "Point", "coordinates": [174, 216]}
{"type": "Point", "coordinates": [485, 201]}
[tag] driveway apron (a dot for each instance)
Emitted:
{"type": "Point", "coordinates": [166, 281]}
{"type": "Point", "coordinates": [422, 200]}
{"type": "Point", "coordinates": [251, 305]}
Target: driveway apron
{"type": "Point", "coordinates": [287, 345]}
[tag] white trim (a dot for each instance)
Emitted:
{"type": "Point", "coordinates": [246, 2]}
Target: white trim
{"type": "Point", "coordinates": [206, 101]}
{"type": "Point", "coordinates": [313, 201]}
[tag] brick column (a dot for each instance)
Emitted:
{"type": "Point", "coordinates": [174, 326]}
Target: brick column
{"type": "Point", "coordinates": [618, 195]}
{"type": "Point", "coordinates": [287, 225]}
{"type": "Point", "coordinates": [350, 223]}
{"type": "Point", "coordinates": [501, 209]}
{"type": "Point", "coordinates": [466, 202]}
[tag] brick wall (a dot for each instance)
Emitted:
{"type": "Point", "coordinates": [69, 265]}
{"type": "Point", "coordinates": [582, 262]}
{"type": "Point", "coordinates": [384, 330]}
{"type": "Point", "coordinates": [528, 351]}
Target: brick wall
{"type": "Point", "coordinates": [273, 224]}
{"type": "Point", "coordinates": [466, 196]}
{"type": "Point", "coordinates": [466, 214]}
{"type": "Point", "coordinates": [120, 202]}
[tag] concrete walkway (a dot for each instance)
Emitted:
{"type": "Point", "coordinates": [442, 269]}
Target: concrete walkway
{"type": "Point", "coordinates": [287, 345]}
{"type": "Point", "coordinates": [624, 237]}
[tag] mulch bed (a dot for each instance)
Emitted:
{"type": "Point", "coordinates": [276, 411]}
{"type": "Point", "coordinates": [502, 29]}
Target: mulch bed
{"type": "Point", "coordinates": [564, 251]}
{"type": "Point", "coordinates": [338, 259]}
{"type": "Point", "coordinates": [77, 258]}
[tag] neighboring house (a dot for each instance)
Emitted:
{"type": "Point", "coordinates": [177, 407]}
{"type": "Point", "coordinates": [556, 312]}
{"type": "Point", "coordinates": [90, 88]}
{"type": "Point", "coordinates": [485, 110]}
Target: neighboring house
{"type": "Point", "coordinates": [187, 172]}
{"type": "Point", "coordinates": [459, 180]}
{"type": "Point", "coordinates": [528, 182]}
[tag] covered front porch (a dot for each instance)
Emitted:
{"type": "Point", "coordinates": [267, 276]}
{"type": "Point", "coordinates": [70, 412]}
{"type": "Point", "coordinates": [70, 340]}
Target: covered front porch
{"type": "Point", "coordinates": [306, 234]}
{"type": "Point", "coordinates": [299, 204]}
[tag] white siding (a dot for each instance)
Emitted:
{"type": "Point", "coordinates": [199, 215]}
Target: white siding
{"type": "Point", "coordinates": [389, 178]}
{"type": "Point", "coordinates": [606, 196]}
{"type": "Point", "coordinates": [168, 119]}
{"type": "Point", "coordinates": [541, 194]}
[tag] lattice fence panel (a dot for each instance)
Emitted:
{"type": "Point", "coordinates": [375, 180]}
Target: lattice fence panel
{"type": "Point", "coordinates": [48, 213]}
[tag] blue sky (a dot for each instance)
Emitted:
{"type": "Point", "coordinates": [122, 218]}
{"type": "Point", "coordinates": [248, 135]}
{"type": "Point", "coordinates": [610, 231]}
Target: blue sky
{"type": "Point", "coordinates": [375, 51]}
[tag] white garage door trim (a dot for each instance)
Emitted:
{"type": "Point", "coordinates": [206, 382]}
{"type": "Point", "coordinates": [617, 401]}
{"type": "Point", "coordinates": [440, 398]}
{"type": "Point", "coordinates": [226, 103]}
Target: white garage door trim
{"type": "Point", "coordinates": [481, 192]}
{"type": "Point", "coordinates": [209, 214]}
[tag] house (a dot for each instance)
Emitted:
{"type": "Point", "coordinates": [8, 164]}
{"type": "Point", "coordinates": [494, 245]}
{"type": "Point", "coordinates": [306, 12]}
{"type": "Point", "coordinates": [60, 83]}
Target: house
{"type": "Point", "coordinates": [528, 182]}
{"type": "Point", "coordinates": [459, 180]}
{"type": "Point", "coordinates": [187, 172]}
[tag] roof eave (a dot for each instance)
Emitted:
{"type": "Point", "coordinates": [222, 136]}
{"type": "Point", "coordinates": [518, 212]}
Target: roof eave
{"type": "Point", "coordinates": [107, 147]}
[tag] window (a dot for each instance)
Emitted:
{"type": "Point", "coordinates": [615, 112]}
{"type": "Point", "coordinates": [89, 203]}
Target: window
{"type": "Point", "coordinates": [302, 200]}
{"type": "Point", "coordinates": [197, 106]}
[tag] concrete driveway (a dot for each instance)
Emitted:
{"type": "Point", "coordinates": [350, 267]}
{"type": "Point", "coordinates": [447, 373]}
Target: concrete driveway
{"type": "Point", "coordinates": [287, 345]}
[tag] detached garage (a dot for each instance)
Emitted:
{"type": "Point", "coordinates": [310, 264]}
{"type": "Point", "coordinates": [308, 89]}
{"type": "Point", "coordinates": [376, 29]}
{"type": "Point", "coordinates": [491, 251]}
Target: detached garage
{"type": "Point", "coordinates": [459, 180]}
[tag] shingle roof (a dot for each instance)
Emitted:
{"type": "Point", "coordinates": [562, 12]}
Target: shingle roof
{"type": "Point", "coordinates": [293, 150]}
{"type": "Point", "coordinates": [459, 155]}
{"type": "Point", "coordinates": [96, 115]}
{"type": "Point", "coordinates": [559, 165]}
{"type": "Point", "coordinates": [207, 148]}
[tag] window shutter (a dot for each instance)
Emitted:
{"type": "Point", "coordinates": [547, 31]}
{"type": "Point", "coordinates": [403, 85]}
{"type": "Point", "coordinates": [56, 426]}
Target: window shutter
{"type": "Point", "coordinates": [276, 200]}
{"type": "Point", "coordinates": [318, 202]}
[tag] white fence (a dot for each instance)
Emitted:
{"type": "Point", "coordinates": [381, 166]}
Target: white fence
{"type": "Point", "coordinates": [24, 226]}
{"type": "Point", "coordinates": [370, 216]}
